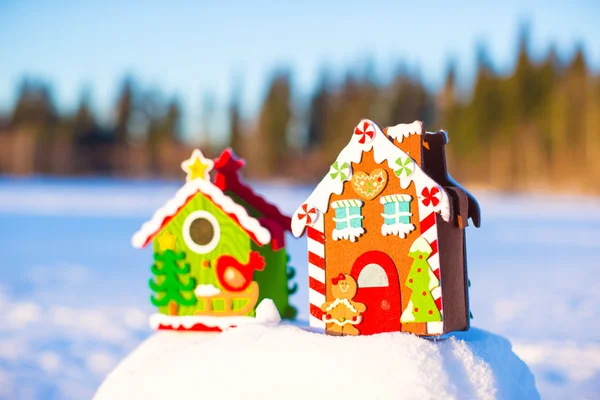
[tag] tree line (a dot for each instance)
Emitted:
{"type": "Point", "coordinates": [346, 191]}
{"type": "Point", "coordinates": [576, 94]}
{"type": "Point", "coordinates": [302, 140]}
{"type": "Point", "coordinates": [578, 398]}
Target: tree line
{"type": "Point", "coordinates": [535, 127]}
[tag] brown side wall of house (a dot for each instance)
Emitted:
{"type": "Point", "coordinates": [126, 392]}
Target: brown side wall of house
{"type": "Point", "coordinates": [452, 251]}
{"type": "Point", "coordinates": [341, 254]}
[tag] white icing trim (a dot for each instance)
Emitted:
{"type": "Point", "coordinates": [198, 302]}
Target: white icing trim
{"type": "Point", "coordinates": [407, 315]}
{"type": "Point", "coordinates": [420, 244]}
{"type": "Point", "coordinates": [214, 241]}
{"type": "Point", "coordinates": [197, 154]}
{"type": "Point", "coordinates": [433, 280]}
{"type": "Point", "coordinates": [139, 239]}
{"type": "Point", "coordinates": [347, 203]}
{"type": "Point", "coordinates": [187, 321]}
{"type": "Point", "coordinates": [395, 198]}
{"type": "Point", "coordinates": [348, 233]}
{"type": "Point", "coordinates": [206, 290]}
{"type": "Point", "coordinates": [383, 150]}
{"type": "Point", "coordinates": [348, 305]}
{"type": "Point", "coordinates": [266, 314]}
{"type": "Point", "coordinates": [399, 229]}
{"type": "Point", "coordinates": [397, 214]}
{"type": "Point", "coordinates": [345, 302]}
{"type": "Point", "coordinates": [346, 321]}
{"type": "Point", "coordinates": [401, 131]}
{"type": "Point", "coordinates": [348, 218]}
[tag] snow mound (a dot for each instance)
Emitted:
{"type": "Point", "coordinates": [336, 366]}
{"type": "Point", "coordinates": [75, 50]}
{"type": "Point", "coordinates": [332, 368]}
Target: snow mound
{"type": "Point", "coordinates": [267, 314]}
{"type": "Point", "coordinates": [286, 362]}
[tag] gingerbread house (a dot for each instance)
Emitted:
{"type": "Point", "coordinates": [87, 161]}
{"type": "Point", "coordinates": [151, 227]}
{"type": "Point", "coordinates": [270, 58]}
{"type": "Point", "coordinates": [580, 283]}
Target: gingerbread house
{"type": "Point", "coordinates": [386, 236]}
{"type": "Point", "coordinates": [219, 250]}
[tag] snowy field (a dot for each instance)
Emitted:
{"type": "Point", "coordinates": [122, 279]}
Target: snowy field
{"type": "Point", "coordinates": [74, 298]}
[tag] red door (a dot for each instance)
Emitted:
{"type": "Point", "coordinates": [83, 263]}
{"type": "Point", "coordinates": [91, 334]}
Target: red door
{"type": "Point", "coordinates": [379, 290]}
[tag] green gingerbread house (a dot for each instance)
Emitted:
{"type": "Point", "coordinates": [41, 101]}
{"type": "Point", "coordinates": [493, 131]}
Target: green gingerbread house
{"type": "Point", "coordinates": [219, 251]}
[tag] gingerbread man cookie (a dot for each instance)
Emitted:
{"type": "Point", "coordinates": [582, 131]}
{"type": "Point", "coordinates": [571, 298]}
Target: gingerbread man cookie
{"type": "Point", "coordinates": [343, 314]}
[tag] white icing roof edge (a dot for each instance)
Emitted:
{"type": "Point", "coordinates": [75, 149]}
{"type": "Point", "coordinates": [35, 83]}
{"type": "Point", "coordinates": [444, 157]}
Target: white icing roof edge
{"type": "Point", "coordinates": [384, 150]}
{"type": "Point", "coordinates": [401, 131]}
{"type": "Point", "coordinates": [250, 224]}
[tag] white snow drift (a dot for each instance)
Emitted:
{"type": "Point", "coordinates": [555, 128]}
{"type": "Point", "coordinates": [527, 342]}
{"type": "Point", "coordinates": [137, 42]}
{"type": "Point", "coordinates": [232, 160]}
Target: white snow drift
{"type": "Point", "coordinates": [285, 362]}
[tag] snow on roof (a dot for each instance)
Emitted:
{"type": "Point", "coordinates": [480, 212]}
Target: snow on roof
{"type": "Point", "coordinates": [368, 136]}
{"type": "Point", "coordinates": [172, 207]}
{"type": "Point", "coordinates": [401, 131]}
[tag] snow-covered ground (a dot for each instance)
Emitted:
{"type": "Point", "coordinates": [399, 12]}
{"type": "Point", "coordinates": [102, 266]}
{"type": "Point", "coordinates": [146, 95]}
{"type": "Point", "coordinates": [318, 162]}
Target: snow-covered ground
{"type": "Point", "coordinates": [474, 365]}
{"type": "Point", "coordinates": [74, 298]}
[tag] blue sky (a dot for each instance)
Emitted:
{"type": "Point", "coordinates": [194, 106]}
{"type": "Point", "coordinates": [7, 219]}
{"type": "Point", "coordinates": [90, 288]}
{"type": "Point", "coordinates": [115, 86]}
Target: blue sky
{"type": "Point", "coordinates": [191, 47]}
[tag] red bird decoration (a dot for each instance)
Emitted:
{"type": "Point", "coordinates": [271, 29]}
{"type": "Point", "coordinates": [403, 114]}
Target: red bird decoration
{"type": "Point", "coordinates": [235, 276]}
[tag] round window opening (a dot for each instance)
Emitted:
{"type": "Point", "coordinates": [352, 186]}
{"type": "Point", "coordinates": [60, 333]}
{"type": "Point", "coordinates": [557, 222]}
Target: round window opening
{"type": "Point", "coordinates": [201, 232]}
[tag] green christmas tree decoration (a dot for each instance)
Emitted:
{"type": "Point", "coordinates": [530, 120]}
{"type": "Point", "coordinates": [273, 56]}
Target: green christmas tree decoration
{"type": "Point", "coordinates": [421, 280]}
{"type": "Point", "coordinates": [170, 272]}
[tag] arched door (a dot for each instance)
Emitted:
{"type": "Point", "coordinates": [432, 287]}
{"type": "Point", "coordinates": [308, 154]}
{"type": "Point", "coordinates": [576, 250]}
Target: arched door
{"type": "Point", "coordinates": [379, 290]}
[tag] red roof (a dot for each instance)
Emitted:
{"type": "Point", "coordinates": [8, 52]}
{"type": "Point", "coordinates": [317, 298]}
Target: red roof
{"type": "Point", "coordinates": [228, 178]}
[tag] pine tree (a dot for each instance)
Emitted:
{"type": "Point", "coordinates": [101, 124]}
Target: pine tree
{"type": "Point", "coordinates": [207, 116]}
{"type": "Point", "coordinates": [409, 100]}
{"type": "Point", "coordinates": [124, 110]}
{"type": "Point", "coordinates": [449, 116]}
{"type": "Point", "coordinates": [446, 100]}
{"type": "Point", "coordinates": [270, 142]}
{"type": "Point", "coordinates": [484, 141]}
{"type": "Point", "coordinates": [524, 83]}
{"type": "Point", "coordinates": [576, 83]}
{"type": "Point", "coordinates": [235, 126]}
{"type": "Point", "coordinates": [346, 111]}
{"type": "Point", "coordinates": [35, 116]}
{"type": "Point", "coordinates": [356, 98]}
{"type": "Point", "coordinates": [320, 108]}
{"type": "Point", "coordinates": [170, 273]}
{"type": "Point", "coordinates": [84, 121]}
{"type": "Point", "coordinates": [523, 102]}
{"type": "Point", "coordinates": [172, 120]}
{"type": "Point", "coordinates": [34, 108]}
{"type": "Point", "coordinates": [421, 280]}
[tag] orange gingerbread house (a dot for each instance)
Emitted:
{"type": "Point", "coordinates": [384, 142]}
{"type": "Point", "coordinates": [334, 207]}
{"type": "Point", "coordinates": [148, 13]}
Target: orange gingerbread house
{"type": "Point", "coordinates": [388, 222]}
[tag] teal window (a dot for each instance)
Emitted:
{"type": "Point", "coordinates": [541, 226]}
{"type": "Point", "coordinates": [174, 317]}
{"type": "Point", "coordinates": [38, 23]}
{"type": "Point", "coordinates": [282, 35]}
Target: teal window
{"type": "Point", "coordinates": [348, 219]}
{"type": "Point", "coordinates": [348, 216]}
{"type": "Point", "coordinates": [396, 209]}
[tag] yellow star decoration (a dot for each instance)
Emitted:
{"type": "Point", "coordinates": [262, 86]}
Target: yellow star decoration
{"type": "Point", "coordinates": [197, 166]}
{"type": "Point", "coordinates": [166, 241]}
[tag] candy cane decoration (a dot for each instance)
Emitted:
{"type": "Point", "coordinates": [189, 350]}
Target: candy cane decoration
{"type": "Point", "coordinates": [316, 273]}
{"type": "Point", "coordinates": [429, 232]}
